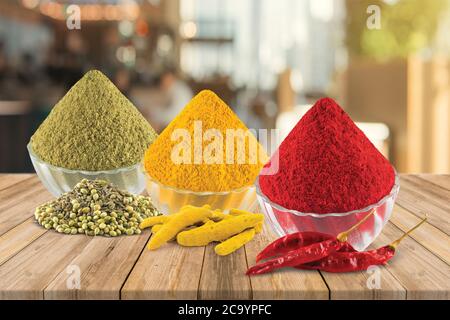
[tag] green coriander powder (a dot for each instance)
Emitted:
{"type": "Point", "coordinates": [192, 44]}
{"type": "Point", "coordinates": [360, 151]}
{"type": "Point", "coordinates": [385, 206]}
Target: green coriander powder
{"type": "Point", "coordinates": [93, 127]}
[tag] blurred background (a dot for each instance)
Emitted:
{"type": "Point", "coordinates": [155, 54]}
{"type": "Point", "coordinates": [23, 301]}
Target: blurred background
{"type": "Point", "coordinates": [268, 59]}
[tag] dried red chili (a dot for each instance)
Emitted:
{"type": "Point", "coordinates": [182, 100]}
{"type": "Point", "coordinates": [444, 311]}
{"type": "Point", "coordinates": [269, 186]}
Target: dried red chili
{"type": "Point", "coordinates": [297, 257]}
{"type": "Point", "coordinates": [304, 254]}
{"type": "Point", "coordinates": [296, 240]}
{"type": "Point", "coordinates": [327, 164]}
{"type": "Point", "coordinates": [291, 242]}
{"type": "Point", "coordinates": [351, 261]}
{"type": "Point", "coordinates": [357, 261]}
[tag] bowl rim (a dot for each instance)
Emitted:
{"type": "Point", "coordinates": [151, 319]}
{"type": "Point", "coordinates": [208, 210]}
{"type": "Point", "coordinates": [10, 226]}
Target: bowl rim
{"type": "Point", "coordinates": [392, 194]}
{"type": "Point", "coordinates": [200, 193]}
{"type": "Point", "coordinates": [33, 156]}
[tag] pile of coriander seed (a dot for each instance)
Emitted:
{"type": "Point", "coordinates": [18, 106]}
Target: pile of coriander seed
{"type": "Point", "coordinates": [96, 207]}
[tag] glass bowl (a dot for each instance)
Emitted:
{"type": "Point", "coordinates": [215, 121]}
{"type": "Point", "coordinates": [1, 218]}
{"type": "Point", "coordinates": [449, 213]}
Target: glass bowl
{"type": "Point", "coordinates": [169, 199]}
{"type": "Point", "coordinates": [285, 221]}
{"type": "Point", "coordinates": [59, 180]}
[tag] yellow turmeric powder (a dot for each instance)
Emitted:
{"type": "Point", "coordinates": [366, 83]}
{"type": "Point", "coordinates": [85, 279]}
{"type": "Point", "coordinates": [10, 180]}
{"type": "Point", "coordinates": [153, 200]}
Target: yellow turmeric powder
{"type": "Point", "coordinates": [203, 160]}
{"type": "Point", "coordinates": [235, 242]}
{"type": "Point", "coordinates": [219, 231]}
{"type": "Point", "coordinates": [187, 216]}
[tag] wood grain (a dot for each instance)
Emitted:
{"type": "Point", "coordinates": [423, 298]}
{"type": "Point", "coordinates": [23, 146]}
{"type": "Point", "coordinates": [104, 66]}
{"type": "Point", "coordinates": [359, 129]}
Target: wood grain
{"type": "Point", "coordinates": [171, 272]}
{"type": "Point", "coordinates": [34, 262]}
{"type": "Point", "coordinates": [284, 284]}
{"type": "Point", "coordinates": [442, 180]}
{"type": "Point", "coordinates": [8, 179]}
{"type": "Point", "coordinates": [420, 272]}
{"type": "Point", "coordinates": [18, 238]}
{"type": "Point", "coordinates": [363, 285]}
{"type": "Point", "coordinates": [360, 285]}
{"type": "Point", "coordinates": [427, 235]}
{"type": "Point", "coordinates": [437, 194]}
{"type": "Point", "coordinates": [18, 202]}
{"type": "Point", "coordinates": [104, 265]}
{"type": "Point", "coordinates": [224, 277]}
{"type": "Point", "coordinates": [27, 274]}
{"type": "Point", "coordinates": [421, 197]}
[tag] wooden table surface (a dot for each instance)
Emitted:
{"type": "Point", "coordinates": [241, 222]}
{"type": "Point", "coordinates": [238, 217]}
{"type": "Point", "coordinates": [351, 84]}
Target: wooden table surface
{"type": "Point", "coordinates": [40, 264]}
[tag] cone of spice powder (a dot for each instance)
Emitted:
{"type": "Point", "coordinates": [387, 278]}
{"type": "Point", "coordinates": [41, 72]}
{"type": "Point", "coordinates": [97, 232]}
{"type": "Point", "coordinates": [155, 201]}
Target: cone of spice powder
{"type": "Point", "coordinates": [207, 109]}
{"type": "Point", "coordinates": [93, 127]}
{"type": "Point", "coordinates": [328, 165]}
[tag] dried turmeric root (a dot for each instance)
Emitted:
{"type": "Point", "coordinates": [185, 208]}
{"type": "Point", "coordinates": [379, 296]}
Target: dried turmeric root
{"type": "Point", "coordinates": [219, 231]}
{"type": "Point", "coordinates": [156, 228]}
{"type": "Point", "coordinates": [238, 212]}
{"type": "Point", "coordinates": [187, 216]}
{"type": "Point", "coordinates": [259, 227]}
{"type": "Point", "coordinates": [151, 221]}
{"type": "Point", "coordinates": [232, 244]}
{"type": "Point", "coordinates": [219, 215]}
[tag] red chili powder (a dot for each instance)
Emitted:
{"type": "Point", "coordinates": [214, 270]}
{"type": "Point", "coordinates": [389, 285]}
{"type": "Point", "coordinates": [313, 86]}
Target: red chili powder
{"type": "Point", "coordinates": [327, 164]}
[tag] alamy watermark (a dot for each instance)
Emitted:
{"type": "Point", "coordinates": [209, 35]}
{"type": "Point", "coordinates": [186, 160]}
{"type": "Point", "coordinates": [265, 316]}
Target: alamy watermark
{"type": "Point", "coordinates": [373, 22]}
{"type": "Point", "coordinates": [73, 20]}
{"type": "Point", "coordinates": [74, 277]}
{"type": "Point", "coordinates": [374, 280]}
{"type": "Point", "coordinates": [237, 146]}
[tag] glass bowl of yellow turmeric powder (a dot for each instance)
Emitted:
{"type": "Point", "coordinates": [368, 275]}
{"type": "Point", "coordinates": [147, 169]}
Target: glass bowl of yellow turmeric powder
{"type": "Point", "coordinates": [206, 155]}
{"type": "Point", "coordinates": [169, 199]}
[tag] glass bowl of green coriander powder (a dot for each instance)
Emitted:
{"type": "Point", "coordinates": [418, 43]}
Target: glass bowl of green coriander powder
{"type": "Point", "coordinates": [59, 180]}
{"type": "Point", "coordinates": [93, 132]}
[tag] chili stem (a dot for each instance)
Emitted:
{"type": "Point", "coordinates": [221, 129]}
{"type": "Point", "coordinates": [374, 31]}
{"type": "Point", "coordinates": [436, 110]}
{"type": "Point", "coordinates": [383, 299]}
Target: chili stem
{"type": "Point", "coordinates": [342, 237]}
{"type": "Point", "coordinates": [397, 242]}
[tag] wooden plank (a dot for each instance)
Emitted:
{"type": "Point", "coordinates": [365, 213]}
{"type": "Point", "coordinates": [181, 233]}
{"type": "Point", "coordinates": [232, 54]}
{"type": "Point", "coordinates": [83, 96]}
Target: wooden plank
{"type": "Point", "coordinates": [18, 238]}
{"type": "Point", "coordinates": [363, 285]}
{"type": "Point", "coordinates": [420, 197]}
{"type": "Point", "coordinates": [18, 202]}
{"type": "Point", "coordinates": [442, 180]}
{"type": "Point", "coordinates": [104, 265]}
{"type": "Point", "coordinates": [421, 273]}
{"type": "Point", "coordinates": [224, 277]}
{"type": "Point", "coordinates": [284, 284]}
{"type": "Point", "coordinates": [27, 274]}
{"type": "Point", "coordinates": [427, 235]}
{"type": "Point", "coordinates": [33, 261]}
{"type": "Point", "coordinates": [171, 272]}
{"type": "Point", "coordinates": [7, 180]}
{"type": "Point", "coordinates": [437, 194]}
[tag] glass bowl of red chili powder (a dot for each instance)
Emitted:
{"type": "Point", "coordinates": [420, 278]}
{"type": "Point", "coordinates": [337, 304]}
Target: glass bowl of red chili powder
{"type": "Point", "coordinates": [285, 221]}
{"type": "Point", "coordinates": [330, 176]}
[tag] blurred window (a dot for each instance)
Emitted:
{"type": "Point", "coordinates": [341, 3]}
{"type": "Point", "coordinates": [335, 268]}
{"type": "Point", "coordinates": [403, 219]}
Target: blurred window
{"type": "Point", "coordinates": [252, 41]}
